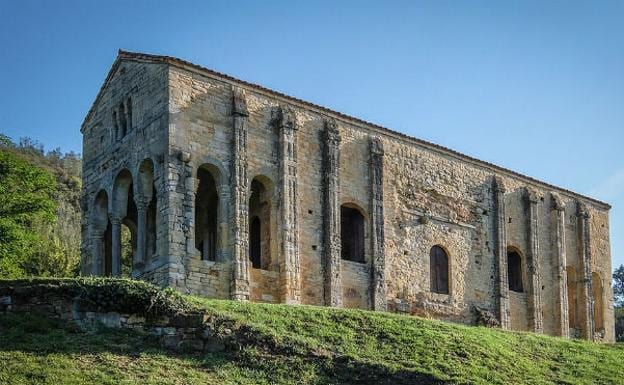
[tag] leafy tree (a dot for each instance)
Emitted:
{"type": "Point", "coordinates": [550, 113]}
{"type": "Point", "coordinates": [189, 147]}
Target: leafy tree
{"type": "Point", "coordinates": [26, 202]}
{"type": "Point", "coordinates": [5, 141]}
{"type": "Point", "coordinates": [618, 299]}
{"type": "Point", "coordinates": [44, 247]}
{"type": "Point", "coordinates": [618, 286]}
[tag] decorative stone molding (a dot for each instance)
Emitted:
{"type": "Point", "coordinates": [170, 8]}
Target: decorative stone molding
{"type": "Point", "coordinates": [379, 301]}
{"type": "Point", "coordinates": [586, 301]}
{"type": "Point", "coordinates": [535, 295]}
{"type": "Point", "coordinates": [559, 241]}
{"type": "Point", "coordinates": [331, 217]}
{"type": "Point", "coordinates": [288, 191]}
{"type": "Point", "coordinates": [240, 187]}
{"type": "Point", "coordinates": [502, 281]}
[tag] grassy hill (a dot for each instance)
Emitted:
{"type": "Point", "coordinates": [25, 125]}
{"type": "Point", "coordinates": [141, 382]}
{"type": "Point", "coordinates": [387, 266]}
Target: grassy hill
{"type": "Point", "coordinates": [280, 344]}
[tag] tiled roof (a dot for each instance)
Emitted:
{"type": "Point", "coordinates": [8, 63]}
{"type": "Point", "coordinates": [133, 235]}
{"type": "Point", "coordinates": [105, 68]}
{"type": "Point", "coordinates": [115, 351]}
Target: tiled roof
{"type": "Point", "coordinates": [136, 56]}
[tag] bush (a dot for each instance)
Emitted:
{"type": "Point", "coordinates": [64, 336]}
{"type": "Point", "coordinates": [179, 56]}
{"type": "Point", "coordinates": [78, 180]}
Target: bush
{"type": "Point", "coordinates": [106, 294]}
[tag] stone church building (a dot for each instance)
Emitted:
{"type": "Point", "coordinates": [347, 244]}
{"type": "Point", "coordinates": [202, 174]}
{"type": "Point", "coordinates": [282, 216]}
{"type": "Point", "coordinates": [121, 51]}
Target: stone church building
{"type": "Point", "coordinates": [231, 190]}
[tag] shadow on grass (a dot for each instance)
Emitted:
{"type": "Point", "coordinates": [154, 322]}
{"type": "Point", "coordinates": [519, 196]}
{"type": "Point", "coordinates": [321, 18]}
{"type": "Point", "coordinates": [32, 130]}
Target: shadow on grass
{"type": "Point", "coordinates": [40, 336]}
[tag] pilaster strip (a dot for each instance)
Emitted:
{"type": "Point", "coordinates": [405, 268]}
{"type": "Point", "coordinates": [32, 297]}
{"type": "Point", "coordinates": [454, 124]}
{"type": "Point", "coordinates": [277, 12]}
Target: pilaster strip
{"type": "Point", "coordinates": [586, 300]}
{"type": "Point", "coordinates": [502, 283]}
{"type": "Point", "coordinates": [379, 301]}
{"type": "Point", "coordinates": [535, 295]}
{"type": "Point", "coordinates": [240, 187]}
{"type": "Point", "coordinates": [291, 282]}
{"type": "Point", "coordinates": [561, 260]}
{"type": "Point", "coordinates": [331, 199]}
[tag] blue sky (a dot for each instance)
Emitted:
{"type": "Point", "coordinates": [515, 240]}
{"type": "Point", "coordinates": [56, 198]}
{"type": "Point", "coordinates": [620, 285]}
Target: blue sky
{"type": "Point", "coordinates": [535, 86]}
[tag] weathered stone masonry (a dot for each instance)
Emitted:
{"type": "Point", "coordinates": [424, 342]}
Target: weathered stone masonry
{"type": "Point", "coordinates": [230, 190]}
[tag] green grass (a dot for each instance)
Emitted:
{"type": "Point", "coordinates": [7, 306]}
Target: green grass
{"type": "Point", "coordinates": [280, 344]}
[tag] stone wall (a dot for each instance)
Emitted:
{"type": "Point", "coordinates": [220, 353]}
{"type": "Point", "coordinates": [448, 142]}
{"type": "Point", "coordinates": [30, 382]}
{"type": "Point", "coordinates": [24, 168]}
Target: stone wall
{"type": "Point", "coordinates": [187, 331]}
{"type": "Point", "coordinates": [412, 195]}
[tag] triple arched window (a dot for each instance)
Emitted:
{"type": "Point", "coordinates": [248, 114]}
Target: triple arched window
{"type": "Point", "coordinates": [122, 119]}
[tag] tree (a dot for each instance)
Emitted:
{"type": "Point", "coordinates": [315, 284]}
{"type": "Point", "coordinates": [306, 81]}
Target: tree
{"type": "Point", "coordinates": [26, 203]}
{"type": "Point", "coordinates": [618, 299]}
{"type": "Point", "coordinates": [618, 286]}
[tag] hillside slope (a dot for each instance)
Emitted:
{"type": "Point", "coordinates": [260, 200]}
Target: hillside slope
{"type": "Point", "coordinates": [280, 344]}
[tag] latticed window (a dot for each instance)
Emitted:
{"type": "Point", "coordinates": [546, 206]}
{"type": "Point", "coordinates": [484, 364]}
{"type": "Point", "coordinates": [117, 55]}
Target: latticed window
{"type": "Point", "coordinates": [439, 270]}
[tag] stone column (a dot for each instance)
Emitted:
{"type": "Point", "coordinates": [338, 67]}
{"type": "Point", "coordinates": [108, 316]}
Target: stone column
{"type": "Point", "coordinates": [502, 281]}
{"type": "Point", "coordinates": [379, 301]}
{"type": "Point", "coordinates": [586, 302]}
{"type": "Point", "coordinates": [116, 246]}
{"type": "Point", "coordinates": [561, 273]}
{"type": "Point", "coordinates": [535, 288]}
{"type": "Point", "coordinates": [222, 222]}
{"type": "Point", "coordinates": [290, 278]}
{"type": "Point", "coordinates": [96, 239]}
{"type": "Point", "coordinates": [331, 215]}
{"type": "Point", "coordinates": [141, 231]}
{"type": "Point", "coordinates": [240, 190]}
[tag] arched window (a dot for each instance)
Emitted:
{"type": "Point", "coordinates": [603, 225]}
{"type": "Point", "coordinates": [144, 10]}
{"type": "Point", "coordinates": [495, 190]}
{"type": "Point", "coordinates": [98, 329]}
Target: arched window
{"type": "Point", "coordinates": [571, 278]}
{"type": "Point", "coordinates": [206, 211]}
{"type": "Point", "coordinates": [255, 243]}
{"type": "Point", "coordinates": [122, 120]}
{"type": "Point", "coordinates": [352, 234]}
{"type": "Point", "coordinates": [260, 224]}
{"type": "Point", "coordinates": [148, 224]}
{"type": "Point", "coordinates": [439, 270]}
{"type": "Point", "coordinates": [514, 271]}
{"type": "Point", "coordinates": [598, 303]}
{"type": "Point", "coordinates": [129, 112]}
{"type": "Point", "coordinates": [116, 132]}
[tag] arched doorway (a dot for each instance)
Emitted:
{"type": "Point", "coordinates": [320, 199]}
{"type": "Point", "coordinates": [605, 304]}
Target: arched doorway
{"type": "Point", "coordinates": [101, 230]}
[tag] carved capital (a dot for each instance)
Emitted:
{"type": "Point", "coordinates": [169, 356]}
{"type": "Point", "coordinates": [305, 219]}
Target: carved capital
{"type": "Point", "coordinates": [581, 210]}
{"type": "Point", "coordinates": [286, 118]}
{"type": "Point", "coordinates": [239, 102]}
{"type": "Point", "coordinates": [557, 203]}
{"type": "Point", "coordinates": [114, 219]}
{"type": "Point", "coordinates": [141, 202]}
{"type": "Point", "coordinates": [531, 195]}
{"type": "Point", "coordinates": [331, 131]}
{"type": "Point", "coordinates": [499, 184]}
{"type": "Point", "coordinates": [376, 146]}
